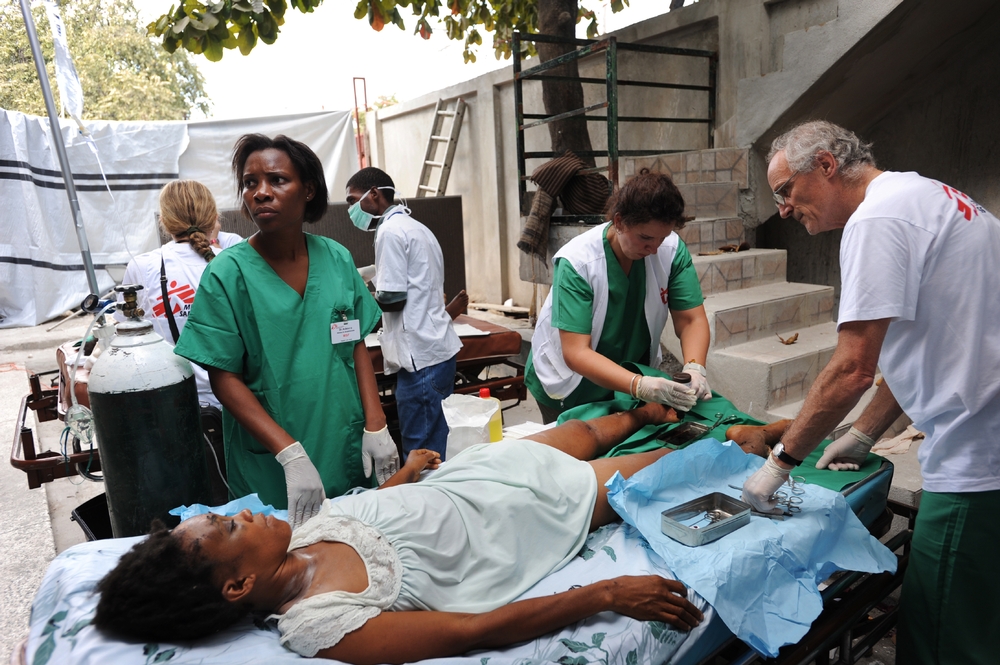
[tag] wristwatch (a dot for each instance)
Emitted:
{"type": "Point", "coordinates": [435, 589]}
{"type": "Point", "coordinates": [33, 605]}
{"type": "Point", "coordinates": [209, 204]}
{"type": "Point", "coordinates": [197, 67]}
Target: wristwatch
{"type": "Point", "coordinates": [779, 452]}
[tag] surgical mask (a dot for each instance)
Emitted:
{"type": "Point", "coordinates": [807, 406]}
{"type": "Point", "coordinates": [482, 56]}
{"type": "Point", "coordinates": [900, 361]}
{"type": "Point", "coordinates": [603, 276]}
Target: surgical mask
{"type": "Point", "coordinates": [360, 218]}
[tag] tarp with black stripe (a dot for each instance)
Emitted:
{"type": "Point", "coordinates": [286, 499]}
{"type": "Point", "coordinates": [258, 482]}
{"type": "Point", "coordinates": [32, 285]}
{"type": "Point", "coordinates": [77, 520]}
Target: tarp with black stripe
{"type": "Point", "coordinates": [41, 271]}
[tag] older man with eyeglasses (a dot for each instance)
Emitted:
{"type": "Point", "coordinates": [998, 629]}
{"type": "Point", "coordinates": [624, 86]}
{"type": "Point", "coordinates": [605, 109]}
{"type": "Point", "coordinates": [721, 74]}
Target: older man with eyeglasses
{"type": "Point", "coordinates": [920, 297]}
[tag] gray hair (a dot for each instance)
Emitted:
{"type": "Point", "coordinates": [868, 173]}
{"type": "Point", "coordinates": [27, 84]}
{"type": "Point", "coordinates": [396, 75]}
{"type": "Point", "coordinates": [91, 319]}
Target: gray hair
{"type": "Point", "coordinates": [802, 143]}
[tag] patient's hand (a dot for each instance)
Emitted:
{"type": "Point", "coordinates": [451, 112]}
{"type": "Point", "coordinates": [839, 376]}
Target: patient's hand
{"type": "Point", "coordinates": [654, 413]}
{"type": "Point", "coordinates": [655, 598]}
{"type": "Point", "coordinates": [416, 461]}
{"type": "Point", "coordinates": [421, 459]}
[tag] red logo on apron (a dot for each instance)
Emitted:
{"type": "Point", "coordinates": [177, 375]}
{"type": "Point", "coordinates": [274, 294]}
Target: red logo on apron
{"type": "Point", "coordinates": [663, 296]}
{"type": "Point", "coordinates": [179, 296]}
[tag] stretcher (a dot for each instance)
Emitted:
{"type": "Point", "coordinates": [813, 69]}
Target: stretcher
{"type": "Point", "coordinates": [60, 615]}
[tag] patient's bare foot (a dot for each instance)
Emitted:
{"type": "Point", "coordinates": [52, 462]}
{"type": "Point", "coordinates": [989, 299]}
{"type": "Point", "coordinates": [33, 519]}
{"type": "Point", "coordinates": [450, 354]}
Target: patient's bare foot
{"type": "Point", "coordinates": [458, 305]}
{"type": "Point", "coordinates": [658, 414]}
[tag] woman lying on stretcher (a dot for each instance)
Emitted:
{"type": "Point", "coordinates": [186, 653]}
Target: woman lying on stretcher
{"type": "Point", "coordinates": [462, 543]}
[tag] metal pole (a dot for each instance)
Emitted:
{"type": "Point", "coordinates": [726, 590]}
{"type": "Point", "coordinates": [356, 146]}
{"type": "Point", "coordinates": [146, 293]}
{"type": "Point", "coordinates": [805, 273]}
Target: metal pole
{"type": "Point", "coordinates": [57, 140]}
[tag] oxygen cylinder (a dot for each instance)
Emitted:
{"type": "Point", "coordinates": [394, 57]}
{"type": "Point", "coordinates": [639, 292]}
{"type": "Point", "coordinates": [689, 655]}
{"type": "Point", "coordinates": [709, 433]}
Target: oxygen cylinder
{"type": "Point", "coordinates": [148, 429]}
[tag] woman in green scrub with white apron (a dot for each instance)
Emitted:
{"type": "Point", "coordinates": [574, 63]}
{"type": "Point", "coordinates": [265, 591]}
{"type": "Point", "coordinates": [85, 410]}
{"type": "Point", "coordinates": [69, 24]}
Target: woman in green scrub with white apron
{"type": "Point", "coordinates": [280, 325]}
{"type": "Point", "coordinates": [613, 288]}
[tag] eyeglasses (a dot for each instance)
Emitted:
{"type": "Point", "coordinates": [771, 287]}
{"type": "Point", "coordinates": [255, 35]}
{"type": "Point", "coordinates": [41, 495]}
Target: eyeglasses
{"type": "Point", "coordinates": [782, 199]}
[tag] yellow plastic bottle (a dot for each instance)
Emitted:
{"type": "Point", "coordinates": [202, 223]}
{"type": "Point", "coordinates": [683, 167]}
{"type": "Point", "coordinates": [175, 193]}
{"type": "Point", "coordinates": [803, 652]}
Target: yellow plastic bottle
{"type": "Point", "coordinates": [496, 420]}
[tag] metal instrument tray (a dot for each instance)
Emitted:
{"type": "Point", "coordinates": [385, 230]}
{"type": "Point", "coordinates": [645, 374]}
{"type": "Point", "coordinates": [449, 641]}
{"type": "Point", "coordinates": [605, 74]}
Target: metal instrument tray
{"type": "Point", "coordinates": [675, 520]}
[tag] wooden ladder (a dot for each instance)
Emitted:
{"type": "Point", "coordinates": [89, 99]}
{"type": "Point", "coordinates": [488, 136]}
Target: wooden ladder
{"type": "Point", "coordinates": [441, 112]}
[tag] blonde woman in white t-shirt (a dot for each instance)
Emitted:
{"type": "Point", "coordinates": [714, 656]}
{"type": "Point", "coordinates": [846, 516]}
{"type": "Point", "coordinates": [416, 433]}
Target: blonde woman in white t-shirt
{"type": "Point", "coordinates": [189, 216]}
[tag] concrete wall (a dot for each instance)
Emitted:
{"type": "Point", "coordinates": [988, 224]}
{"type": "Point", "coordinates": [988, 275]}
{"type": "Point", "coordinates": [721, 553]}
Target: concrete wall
{"type": "Point", "coordinates": [770, 53]}
{"type": "Point", "coordinates": [921, 87]}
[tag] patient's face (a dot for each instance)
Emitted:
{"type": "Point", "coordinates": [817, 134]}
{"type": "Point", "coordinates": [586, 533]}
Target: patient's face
{"type": "Point", "coordinates": [254, 542]}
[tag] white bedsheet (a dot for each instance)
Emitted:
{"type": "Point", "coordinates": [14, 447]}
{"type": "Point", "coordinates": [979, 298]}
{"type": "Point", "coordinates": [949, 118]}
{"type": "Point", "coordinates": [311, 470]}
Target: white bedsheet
{"type": "Point", "coordinates": [60, 630]}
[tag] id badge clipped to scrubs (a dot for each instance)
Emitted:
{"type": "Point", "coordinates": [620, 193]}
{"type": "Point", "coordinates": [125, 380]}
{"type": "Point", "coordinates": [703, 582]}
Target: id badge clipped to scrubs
{"type": "Point", "coordinates": [342, 329]}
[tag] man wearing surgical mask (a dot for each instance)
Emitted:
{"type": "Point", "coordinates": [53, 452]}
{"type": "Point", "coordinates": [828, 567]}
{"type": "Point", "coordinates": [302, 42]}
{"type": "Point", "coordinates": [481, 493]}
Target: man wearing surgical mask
{"type": "Point", "coordinates": [418, 340]}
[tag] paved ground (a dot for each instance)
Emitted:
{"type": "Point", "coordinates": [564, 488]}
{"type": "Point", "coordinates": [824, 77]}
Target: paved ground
{"type": "Point", "coordinates": [26, 540]}
{"type": "Point", "coordinates": [35, 524]}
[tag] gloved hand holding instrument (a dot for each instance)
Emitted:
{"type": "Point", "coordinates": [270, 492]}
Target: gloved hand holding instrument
{"type": "Point", "coordinates": [847, 453]}
{"type": "Point", "coordinates": [302, 481]}
{"type": "Point", "coordinates": [759, 489]}
{"type": "Point", "coordinates": [699, 379]}
{"type": "Point", "coordinates": [671, 393]}
{"type": "Point", "coordinates": [378, 453]}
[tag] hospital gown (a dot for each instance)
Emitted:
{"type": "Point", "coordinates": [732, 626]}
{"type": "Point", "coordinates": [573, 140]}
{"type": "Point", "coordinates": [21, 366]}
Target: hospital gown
{"type": "Point", "coordinates": [471, 537]}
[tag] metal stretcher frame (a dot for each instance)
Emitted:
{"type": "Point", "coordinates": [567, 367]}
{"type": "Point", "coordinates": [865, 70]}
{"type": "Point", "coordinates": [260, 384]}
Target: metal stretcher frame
{"type": "Point", "coordinates": [845, 623]}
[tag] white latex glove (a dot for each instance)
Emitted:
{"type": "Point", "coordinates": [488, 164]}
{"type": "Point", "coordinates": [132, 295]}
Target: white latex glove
{"type": "Point", "coordinates": [699, 380]}
{"type": "Point", "coordinates": [655, 389]}
{"type": "Point", "coordinates": [367, 273]}
{"type": "Point", "coordinates": [378, 451]}
{"type": "Point", "coordinates": [759, 489]}
{"type": "Point", "coordinates": [305, 487]}
{"type": "Point", "coordinates": [847, 453]}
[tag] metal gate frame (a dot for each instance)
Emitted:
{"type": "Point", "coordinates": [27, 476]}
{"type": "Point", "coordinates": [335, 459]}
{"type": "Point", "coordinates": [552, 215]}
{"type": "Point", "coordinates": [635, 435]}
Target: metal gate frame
{"type": "Point", "coordinates": [588, 47]}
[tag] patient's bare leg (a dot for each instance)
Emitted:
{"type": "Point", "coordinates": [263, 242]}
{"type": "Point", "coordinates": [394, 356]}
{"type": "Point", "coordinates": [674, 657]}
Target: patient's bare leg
{"type": "Point", "coordinates": [605, 468]}
{"type": "Point", "coordinates": [588, 439]}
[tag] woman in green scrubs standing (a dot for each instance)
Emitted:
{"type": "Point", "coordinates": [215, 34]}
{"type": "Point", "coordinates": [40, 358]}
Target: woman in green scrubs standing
{"type": "Point", "coordinates": [280, 325]}
{"type": "Point", "coordinates": [613, 289]}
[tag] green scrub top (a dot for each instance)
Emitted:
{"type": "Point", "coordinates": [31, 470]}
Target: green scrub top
{"type": "Point", "coordinates": [626, 335]}
{"type": "Point", "coordinates": [245, 319]}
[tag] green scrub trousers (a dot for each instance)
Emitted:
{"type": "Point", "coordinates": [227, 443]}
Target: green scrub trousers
{"type": "Point", "coordinates": [950, 603]}
{"type": "Point", "coordinates": [245, 319]}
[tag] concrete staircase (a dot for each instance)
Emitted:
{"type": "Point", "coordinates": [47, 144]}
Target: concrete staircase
{"type": "Point", "coordinates": [747, 298]}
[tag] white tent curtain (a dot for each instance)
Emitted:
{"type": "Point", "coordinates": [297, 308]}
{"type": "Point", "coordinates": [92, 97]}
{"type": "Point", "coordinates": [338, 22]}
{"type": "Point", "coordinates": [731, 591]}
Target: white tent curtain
{"type": "Point", "coordinates": [41, 271]}
{"type": "Point", "coordinates": [208, 157]}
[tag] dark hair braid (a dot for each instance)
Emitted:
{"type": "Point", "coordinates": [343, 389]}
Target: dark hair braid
{"type": "Point", "coordinates": [161, 592]}
{"type": "Point", "coordinates": [649, 196]}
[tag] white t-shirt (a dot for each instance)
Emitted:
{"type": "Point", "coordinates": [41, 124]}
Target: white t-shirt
{"type": "Point", "coordinates": [408, 259]}
{"type": "Point", "coordinates": [227, 240]}
{"type": "Point", "coordinates": [925, 255]}
{"type": "Point", "coordinates": [183, 267]}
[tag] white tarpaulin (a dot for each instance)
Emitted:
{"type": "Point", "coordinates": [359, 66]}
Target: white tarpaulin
{"type": "Point", "coordinates": [41, 271]}
{"type": "Point", "coordinates": [329, 134]}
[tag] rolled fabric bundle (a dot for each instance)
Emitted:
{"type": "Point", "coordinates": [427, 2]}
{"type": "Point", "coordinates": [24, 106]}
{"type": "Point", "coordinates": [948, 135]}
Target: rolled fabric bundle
{"type": "Point", "coordinates": [535, 235]}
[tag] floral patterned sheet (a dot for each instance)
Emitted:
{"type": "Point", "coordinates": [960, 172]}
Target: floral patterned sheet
{"type": "Point", "coordinates": [60, 630]}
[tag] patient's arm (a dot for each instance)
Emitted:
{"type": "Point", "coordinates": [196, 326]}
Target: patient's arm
{"type": "Point", "coordinates": [420, 635]}
{"type": "Point", "coordinates": [589, 439]}
{"type": "Point", "coordinates": [416, 461]}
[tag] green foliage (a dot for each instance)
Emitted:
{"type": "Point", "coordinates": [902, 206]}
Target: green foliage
{"type": "Point", "coordinates": [123, 74]}
{"type": "Point", "coordinates": [228, 24]}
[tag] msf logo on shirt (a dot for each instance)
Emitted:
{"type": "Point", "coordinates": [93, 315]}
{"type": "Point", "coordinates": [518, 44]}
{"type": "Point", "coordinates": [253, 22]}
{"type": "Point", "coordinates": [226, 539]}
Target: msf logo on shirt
{"type": "Point", "coordinates": [663, 296]}
{"type": "Point", "coordinates": [966, 206]}
{"type": "Point", "coordinates": [180, 298]}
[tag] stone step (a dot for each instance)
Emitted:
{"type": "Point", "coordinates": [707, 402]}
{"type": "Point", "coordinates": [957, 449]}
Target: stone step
{"type": "Point", "coordinates": [762, 375]}
{"type": "Point", "coordinates": [707, 235]}
{"type": "Point", "coordinates": [740, 270]}
{"type": "Point", "coordinates": [714, 165]}
{"type": "Point", "coordinates": [711, 200]}
{"type": "Point", "coordinates": [761, 312]}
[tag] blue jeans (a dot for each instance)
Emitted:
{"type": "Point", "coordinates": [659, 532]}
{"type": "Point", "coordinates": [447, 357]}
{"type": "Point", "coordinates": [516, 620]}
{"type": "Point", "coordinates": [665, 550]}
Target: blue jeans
{"type": "Point", "coordinates": [418, 402]}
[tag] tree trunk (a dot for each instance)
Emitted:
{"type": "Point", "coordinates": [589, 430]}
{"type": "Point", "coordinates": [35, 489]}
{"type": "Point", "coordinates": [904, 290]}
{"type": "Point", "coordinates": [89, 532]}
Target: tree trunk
{"type": "Point", "coordinates": [558, 18]}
